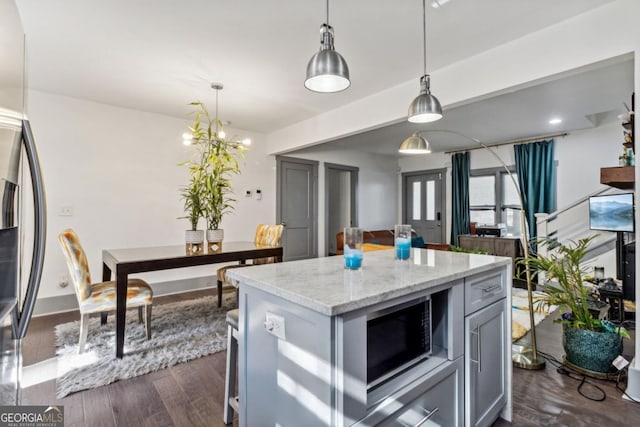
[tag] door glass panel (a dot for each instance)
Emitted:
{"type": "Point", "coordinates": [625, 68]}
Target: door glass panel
{"type": "Point", "coordinates": [430, 200]}
{"type": "Point", "coordinates": [416, 200]}
{"type": "Point", "coordinates": [482, 190]}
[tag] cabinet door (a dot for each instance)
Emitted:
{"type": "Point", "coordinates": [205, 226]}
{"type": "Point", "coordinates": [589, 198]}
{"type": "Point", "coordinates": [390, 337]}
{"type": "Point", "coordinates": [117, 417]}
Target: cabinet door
{"type": "Point", "coordinates": [506, 247]}
{"type": "Point", "coordinates": [485, 364]}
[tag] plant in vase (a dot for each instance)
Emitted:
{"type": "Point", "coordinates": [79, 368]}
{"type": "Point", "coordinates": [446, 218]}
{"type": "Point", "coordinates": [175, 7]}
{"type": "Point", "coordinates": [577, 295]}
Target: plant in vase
{"type": "Point", "coordinates": [589, 342]}
{"type": "Point", "coordinates": [193, 206]}
{"type": "Point", "coordinates": [217, 162]}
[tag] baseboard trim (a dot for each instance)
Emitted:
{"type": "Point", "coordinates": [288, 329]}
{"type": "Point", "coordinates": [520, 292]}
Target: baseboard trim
{"type": "Point", "coordinates": [65, 303]}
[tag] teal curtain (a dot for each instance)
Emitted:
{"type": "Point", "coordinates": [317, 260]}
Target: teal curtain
{"type": "Point", "coordinates": [537, 179]}
{"type": "Point", "coordinates": [460, 196]}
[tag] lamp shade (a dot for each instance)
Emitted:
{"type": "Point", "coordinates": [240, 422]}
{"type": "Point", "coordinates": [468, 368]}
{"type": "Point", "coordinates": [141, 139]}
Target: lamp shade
{"type": "Point", "coordinates": [425, 107]}
{"type": "Point", "coordinates": [415, 144]}
{"type": "Point", "coordinates": [327, 72]}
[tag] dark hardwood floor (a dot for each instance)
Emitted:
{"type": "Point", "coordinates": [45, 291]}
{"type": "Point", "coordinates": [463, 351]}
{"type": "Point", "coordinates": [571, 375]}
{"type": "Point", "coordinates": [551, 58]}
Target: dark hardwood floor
{"type": "Point", "coordinates": [191, 394]}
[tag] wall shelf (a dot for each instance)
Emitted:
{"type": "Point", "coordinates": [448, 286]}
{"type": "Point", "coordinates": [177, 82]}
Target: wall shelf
{"type": "Point", "coordinates": [622, 177]}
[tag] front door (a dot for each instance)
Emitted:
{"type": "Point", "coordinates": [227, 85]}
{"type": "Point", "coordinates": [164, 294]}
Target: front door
{"type": "Point", "coordinates": [424, 207]}
{"type": "Point", "coordinates": [296, 204]}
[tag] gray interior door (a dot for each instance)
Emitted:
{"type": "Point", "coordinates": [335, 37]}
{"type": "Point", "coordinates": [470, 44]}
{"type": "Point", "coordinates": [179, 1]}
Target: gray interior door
{"type": "Point", "coordinates": [296, 204]}
{"type": "Point", "coordinates": [424, 206]}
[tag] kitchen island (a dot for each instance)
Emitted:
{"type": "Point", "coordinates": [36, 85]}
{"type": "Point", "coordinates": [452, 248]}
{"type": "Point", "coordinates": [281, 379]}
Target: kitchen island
{"type": "Point", "coordinates": [419, 342]}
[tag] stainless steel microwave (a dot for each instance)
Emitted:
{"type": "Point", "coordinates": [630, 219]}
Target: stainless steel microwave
{"type": "Point", "coordinates": [398, 338]}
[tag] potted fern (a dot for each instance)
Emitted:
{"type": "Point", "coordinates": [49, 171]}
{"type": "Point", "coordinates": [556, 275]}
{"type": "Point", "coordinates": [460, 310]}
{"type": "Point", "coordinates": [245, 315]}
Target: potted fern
{"type": "Point", "coordinates": [589, 342]}
{"type": "Point", "coordinates": [217, 162]}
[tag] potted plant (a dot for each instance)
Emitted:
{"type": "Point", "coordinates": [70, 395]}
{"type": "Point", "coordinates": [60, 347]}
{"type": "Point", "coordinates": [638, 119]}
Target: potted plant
{"type": "Point", "coordinates": [589, 342]}
{"type": "Point", "coordinates": [217, 162]}
{"type": "Point", "coordinates": [193, 206]}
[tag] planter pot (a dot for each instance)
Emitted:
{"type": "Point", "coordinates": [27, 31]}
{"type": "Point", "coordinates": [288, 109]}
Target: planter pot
{"type": "Point", "coordinates": [594, 351]}
{"type": "Point", "coordinates": [194, 241]}
{"type": "Point", "coordinates": [214, 240]}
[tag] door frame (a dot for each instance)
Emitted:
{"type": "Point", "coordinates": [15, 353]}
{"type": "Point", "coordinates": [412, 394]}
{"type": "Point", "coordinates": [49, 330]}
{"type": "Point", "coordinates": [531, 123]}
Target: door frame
{"type": "Point", "coordinates": [443, 197]}
{"type": "Point", "coordinates": [314, 163]}
{"type": "Point", "coordinates": [354, 198]}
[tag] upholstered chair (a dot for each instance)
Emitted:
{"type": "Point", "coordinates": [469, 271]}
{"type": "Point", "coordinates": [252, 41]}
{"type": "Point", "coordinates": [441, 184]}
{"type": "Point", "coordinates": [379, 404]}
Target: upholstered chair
{"type": "Point", "coordinates": [100, 297]}
{"type": "Point", "coordinates": [266, 234]}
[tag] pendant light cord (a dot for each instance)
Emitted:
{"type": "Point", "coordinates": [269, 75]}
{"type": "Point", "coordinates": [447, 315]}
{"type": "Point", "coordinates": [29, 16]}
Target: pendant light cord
{"type": "Point", "coordinates": [217, 91]}
{"type": "Point", "coordinates": [327, 13]}
{"type": "Point", "coordinates": [424, 36]}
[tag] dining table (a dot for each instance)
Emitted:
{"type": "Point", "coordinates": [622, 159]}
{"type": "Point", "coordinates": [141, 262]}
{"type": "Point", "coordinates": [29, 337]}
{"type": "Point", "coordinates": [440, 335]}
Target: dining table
{"type": "Point", "coordinates": [126, 261]}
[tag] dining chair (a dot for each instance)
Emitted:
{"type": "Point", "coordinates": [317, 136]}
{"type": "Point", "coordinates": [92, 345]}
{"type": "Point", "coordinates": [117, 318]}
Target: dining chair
{"type": "Point", "coordinates": [266, 234]}
{"type": "Point", "coordinates": [100, 297]}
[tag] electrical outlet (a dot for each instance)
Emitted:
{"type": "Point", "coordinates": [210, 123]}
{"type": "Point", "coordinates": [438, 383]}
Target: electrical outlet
{"type": "Point", "coordinates": [258, 194]}
{"type": "Point", "coordinates": [63, 282]}
{"type": "Point", "coordinates": [65, 210]}
{"type": "Point", "coordinates": [274, 324]}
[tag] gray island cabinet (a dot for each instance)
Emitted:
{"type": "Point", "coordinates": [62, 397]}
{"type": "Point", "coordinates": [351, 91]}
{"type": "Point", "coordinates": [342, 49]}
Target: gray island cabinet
{"type": "Point", "coordinates": [422, 342]}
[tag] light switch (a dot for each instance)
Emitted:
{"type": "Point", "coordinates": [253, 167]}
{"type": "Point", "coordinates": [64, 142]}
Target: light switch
{"type": "Point", "coordinates": [65, 210]}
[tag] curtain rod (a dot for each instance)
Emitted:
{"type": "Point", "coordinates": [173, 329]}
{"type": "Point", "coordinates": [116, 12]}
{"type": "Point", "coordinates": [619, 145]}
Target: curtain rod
{"type": "Point", "coordinates": [515, 141]}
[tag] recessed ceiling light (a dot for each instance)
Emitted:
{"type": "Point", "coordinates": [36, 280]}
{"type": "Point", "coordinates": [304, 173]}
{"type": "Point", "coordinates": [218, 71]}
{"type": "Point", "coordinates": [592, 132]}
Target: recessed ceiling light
{"type": "Point", "coordinates": [555, 121]}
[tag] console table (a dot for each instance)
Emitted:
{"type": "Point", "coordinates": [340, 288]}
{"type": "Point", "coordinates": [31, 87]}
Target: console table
{"type": "Point", "coordinates": [304, 339]}
{"type": "Point", "coordinates": [500, 246]}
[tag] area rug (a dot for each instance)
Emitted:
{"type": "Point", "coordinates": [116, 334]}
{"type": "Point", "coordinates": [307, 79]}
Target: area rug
{"type": "Point", "coordinates": [520, 322]}
{"type": "Point", "coordinates": [181, 331]}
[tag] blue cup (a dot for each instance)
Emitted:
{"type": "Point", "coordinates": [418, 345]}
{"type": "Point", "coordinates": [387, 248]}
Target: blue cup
{"type": "Point", "coordinates": [352, 258]}
{"type": "Point", "coordinates": [353, 248]}
{"type": "Point", "coordinates": [402, 241]}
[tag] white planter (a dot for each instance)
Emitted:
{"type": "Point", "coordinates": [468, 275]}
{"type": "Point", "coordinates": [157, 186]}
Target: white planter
{"type": "Point", "coordinates": [216, 235]}
{"type": "Point", "coordinates": [214, 240]}
{"type": "Point", "coordinates": [194, 241]}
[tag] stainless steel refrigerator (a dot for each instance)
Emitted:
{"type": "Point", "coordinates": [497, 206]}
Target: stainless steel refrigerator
{"type": "Point", "coordinates": [22, 207]}
{"type": "Point", "coordinates": [17, 295]}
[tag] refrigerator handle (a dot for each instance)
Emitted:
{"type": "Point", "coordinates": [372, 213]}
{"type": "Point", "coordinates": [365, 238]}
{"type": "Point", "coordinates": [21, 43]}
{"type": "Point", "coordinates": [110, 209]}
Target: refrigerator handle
{"type": "Point", "coordinates": [22, 319]}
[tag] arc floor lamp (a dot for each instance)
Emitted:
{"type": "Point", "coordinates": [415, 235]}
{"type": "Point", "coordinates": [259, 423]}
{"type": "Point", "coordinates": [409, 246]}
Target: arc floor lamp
{"type": "Point", "coordinates": [522, 356]}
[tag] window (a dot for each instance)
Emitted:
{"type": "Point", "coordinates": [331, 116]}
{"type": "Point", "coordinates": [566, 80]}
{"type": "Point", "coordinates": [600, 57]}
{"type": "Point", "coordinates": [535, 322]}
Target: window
{"type": "Point", "coordinates": [493, 199]}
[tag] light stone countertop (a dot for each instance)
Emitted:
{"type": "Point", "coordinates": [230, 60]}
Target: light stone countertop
{"type": "Point", "coordinates": [325, 286]}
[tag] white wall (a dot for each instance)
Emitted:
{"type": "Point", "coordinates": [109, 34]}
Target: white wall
{"type": "Point", "coordinates": [377, 189]}
{"type": "Point", "coordinates": [117, 169]}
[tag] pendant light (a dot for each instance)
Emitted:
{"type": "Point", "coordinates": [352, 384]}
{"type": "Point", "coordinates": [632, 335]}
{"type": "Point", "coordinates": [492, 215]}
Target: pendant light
{"type": "Point", "coordinates": [425, 107]}
{"type": "Point", "coordinates": [415, 144]}
{"type": "Point", "coordinates": [327, 70]}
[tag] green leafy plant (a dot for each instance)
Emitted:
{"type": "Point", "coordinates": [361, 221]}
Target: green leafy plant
{"type": "Point", "coordinates": [211, 171]}
{"type": "Point", "coordinates": [564, 284]}
{"type": "Point", "coordinates": [193, 203]}
{"type": "Point", "coordinates": [469, 251]}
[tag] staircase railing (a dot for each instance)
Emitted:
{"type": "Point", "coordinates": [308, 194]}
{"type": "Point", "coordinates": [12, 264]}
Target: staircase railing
{"type": "Point", "coordinates": [572, 223]}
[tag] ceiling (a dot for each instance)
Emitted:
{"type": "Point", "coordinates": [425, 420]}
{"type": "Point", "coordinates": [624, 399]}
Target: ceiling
{"type": "Point", "coordinates": [158, 55]}
{"type": "Point", "coordinates": [582, 99]}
